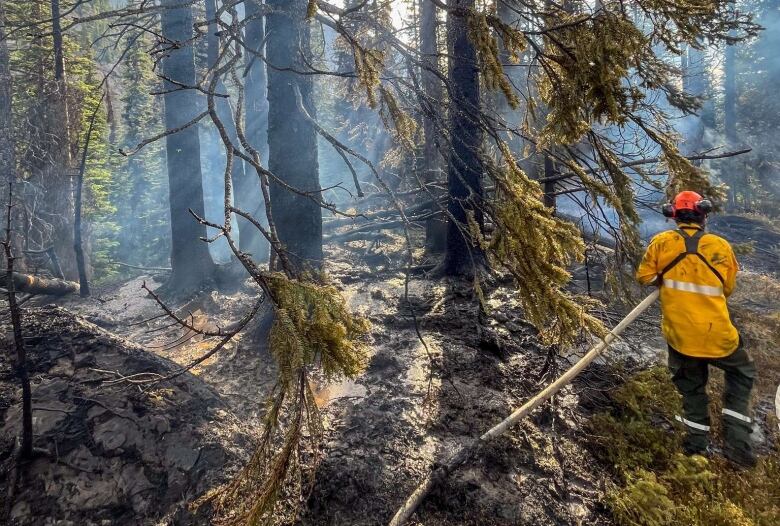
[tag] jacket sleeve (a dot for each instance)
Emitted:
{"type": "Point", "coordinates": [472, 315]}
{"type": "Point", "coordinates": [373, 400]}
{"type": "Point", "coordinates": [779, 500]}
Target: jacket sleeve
{"type": "Point", "coordinates": [647, 272]}
{"type": "Point", "coordinates": [730, 279]}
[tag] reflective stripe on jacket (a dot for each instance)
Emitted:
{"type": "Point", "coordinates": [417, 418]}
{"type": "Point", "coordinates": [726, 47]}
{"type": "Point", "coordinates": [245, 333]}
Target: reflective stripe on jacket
{"type": "Point", "coordinates": [696, 318]}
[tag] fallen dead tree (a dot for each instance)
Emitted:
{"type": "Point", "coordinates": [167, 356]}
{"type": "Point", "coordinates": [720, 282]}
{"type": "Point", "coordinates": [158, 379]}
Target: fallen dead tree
{"type": "Point", "coordinates": [47, 286]}
{"type": "Point", "coordinates": [349, 235]}
{"type": "Point", "coordinates": [470, 450]}
{"type": "Point", "coordinates": [331, 224]}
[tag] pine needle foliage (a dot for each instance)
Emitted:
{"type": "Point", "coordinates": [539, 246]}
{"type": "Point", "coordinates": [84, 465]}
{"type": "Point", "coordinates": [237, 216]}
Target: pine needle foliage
{"type": "Point", "coordinates": [404, 127]}
{"type": "Point", "coordinates": [684, 175]}
{"type": "Point", "coordinates": [677, 22]}
{"type": "Point", "coordinates": [368, 67]}
{"type": "Point", "coordinates": [484, 32]}
{"type": "Point", "coordinates": [583, 82]}
{"type": "Point", "coordinates": [314, 324]}
{"type": "Point", "coordinates": [595, 69]}
{"type": "Point", "coordinates": [536, 247]}
{"type": "Point", "coordinates": [312, 327]}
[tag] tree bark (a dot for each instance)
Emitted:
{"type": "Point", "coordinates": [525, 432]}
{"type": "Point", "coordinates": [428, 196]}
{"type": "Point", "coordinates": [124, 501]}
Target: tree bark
{"type": "Point", "coordinates": [59, 184]}
{"type": "Point", "coordinates": [515, 73]}
{"type": "Point", "coordinates": [56, 29]}
{"type": "Point", "coordinates": [246, 184]}
{"type": "Point", "coordinates": [78, 245]}
{"type": "Point", "coordinates": [696, 82]}
{"type": "Point", "coordinates": [292, 139]}
{"type": "Point", "coordinates": [248, 193]}
{"type": "Point", "coordinates": [435, 228]}
{"type": "Point", "coordinates": [730, 95]}
{"type": "Point", "coordinates": [464, 171]}
{"type": "Point", "coordinates": [190, 259]}
{"type": "Point", "coordinates": [430, 83]}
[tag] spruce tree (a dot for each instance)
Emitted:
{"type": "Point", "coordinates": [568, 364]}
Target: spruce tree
{"type": "Point", "coordinates": [463, 256]}
{"type": "Point", "coordinates": [292, 139]}
{"type": "Point", "coordinates": [190, 259]}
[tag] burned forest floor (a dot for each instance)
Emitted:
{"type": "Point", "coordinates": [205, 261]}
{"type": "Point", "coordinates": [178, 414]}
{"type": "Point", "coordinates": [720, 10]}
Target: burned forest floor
{"type": "Point", "coordinates": [115, 452]}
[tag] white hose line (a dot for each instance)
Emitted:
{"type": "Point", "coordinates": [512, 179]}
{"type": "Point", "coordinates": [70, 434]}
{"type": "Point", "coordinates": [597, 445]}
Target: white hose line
{"type": "Point", "coordinates": [777, 405]}
{"type": "Point", "coordinates": [415, 499]}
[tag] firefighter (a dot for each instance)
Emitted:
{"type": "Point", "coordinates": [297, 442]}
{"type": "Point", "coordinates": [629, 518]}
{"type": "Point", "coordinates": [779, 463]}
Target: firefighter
{"type": "Point", "coordinates": [696, 272]}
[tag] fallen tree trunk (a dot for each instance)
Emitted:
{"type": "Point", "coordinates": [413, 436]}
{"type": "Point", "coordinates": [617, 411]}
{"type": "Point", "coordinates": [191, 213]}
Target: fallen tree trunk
{"type": "Point", "coordinates": [380, 225]}
{"type": "Point", "coordinates": [466, 452]}
{"type": "Point", "coordinates": [332, 224]}
{"type": "Point", "coordinates": [38, 285]}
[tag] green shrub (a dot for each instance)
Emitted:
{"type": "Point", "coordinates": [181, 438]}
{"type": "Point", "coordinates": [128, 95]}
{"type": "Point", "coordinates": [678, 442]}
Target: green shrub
{"type": "Point", "coordinates": [656, 484]}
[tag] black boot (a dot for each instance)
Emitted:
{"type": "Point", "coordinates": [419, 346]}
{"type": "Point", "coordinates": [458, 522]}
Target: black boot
{"type": "Point", "coordinates": [740, 454]}
{"type": "Point", "coordinates": [695, 444]}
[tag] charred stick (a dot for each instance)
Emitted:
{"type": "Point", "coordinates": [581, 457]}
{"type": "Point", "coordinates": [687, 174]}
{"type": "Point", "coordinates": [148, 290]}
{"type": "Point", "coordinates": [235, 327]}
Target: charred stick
{"type": "Point", "coordinates": [37, 285]}
{"type": "Point", "coordinates": [16, 323]}
{"type": "Point", "coordinates": [386, 225]}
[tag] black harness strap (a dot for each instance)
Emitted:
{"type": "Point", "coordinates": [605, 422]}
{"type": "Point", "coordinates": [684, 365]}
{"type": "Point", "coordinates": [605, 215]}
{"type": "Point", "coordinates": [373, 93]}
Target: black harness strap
{"type": "Point", "coordinates": [691, 249]}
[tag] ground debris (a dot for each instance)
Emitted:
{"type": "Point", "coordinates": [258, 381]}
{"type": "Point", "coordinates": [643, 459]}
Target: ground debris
{"type": "Point", "coordinates": [410, 416]}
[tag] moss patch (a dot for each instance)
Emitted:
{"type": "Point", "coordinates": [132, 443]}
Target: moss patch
{"type": "Point", "coordinates": [656, 484]}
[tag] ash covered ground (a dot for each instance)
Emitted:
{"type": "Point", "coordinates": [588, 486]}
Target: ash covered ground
{"type": "Point", "coordinates": [120, 454]}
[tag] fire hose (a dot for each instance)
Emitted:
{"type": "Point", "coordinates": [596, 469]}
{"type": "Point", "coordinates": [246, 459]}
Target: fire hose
{"type": "Point", "coordinates": [439, 473]}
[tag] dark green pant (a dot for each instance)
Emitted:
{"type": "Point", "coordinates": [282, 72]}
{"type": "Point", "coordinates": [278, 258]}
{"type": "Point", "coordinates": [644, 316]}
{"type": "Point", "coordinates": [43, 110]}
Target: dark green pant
{"type": "Point", "coordinates": [690, 376]}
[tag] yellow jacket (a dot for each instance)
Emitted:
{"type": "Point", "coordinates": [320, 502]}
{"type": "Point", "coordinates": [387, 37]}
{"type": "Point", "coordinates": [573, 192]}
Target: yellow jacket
{"type": "Point", "coordinates": [696, 318]}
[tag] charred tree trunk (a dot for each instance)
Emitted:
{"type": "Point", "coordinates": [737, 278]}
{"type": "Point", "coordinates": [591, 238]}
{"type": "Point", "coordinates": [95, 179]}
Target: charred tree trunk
{"type": "Point", "coordinates": [292, 139]}
{"type": "Point", "coordinates": [7, 139]}
{"type": "Point", "coordinates": [730, 96]}
{"type": "Point", "coordinates": [190, 259]}
{"type": "Point", "coordinates": [248, 193]}
{"type": "Point", "coordinates": [45, 286]}
{"type": "Point", "coordinates": [431, 85]}
{"type": "Point", "coordinates": [78, 245]}
{"type": "Point", "coordinates": [56, 29]}
{"type": "Point", "coordinates": [464, 172]}
{"type": "Point", "coordinates": [511, 116]}
{"type": "Point", "coordinates": [435, 228]}
{"type": "Point", "coordinates": [256, 79]}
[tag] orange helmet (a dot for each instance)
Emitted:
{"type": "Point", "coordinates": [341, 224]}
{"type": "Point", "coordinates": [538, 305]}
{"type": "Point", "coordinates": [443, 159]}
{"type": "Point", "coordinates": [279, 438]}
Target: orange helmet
{"type": "Point", "coordinates": [688, 200]}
